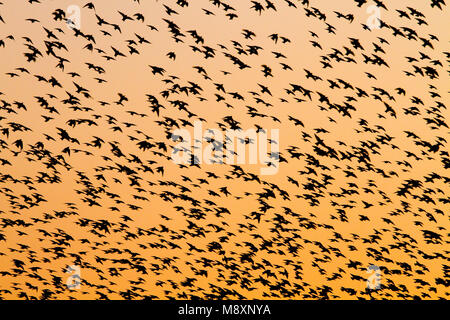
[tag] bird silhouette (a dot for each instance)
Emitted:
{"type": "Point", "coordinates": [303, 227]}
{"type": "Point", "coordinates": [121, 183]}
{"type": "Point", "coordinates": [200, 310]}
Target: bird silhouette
{"type": "Point", "coordinates": [91, 119]}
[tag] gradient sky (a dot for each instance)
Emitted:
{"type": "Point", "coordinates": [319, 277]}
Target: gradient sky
{"type": "Point", "coordinates": [132, 77]}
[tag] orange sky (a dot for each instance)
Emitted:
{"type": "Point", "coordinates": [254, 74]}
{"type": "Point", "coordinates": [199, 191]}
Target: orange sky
{"type": "Point", "coordinates": [132, 76]}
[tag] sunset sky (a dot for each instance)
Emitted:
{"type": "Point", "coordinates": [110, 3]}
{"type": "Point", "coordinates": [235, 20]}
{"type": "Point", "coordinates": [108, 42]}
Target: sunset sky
{"type": "Point", "coordinates": [321, 231]}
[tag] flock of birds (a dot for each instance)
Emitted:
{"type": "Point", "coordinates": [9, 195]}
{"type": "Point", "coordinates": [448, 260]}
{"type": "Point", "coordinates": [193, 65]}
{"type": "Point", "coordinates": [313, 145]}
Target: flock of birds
{"type": "Point", "coordinates": [86, 177]}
